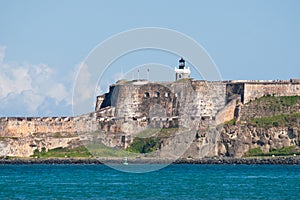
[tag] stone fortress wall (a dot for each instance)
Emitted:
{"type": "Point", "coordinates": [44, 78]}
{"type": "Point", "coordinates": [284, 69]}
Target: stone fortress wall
{"type": "Point", "coordinates": [250, 90]}
{"type": "Point", "coordinates": [135, 99]}
{"type": "Point", "coordinates": [20, 136]}
{"type": "Point", "coordinates": [133, 104]}
{"type": "Point", "coordinates": [26, 126]}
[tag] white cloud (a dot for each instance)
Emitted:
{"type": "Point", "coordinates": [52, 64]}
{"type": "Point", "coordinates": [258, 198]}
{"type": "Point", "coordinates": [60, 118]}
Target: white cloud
{"type": "Point", "coordinates": [58, 92]}
{"type": "Point", "coordinates": [13, 80]}
{"type": "Point", "coordinates": [32, 86]}
{"type": "Point", "coordinates": [83, 91]}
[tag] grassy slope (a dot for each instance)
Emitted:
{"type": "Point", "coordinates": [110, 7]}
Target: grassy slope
{"type": "Point", "coordinates": [154, 138]}
{"type": "Point", "coordinates": [282, 120]}
{"type": "Point", "coordinates": [78, 152]}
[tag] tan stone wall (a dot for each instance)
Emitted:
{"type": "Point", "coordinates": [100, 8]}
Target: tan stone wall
{"type": "Point", "coordinates": [257, 90]}
{"type": "Point", "coordinates": [23, 127]}
{"type": "Point", "coordinates": [99, 102]}
{"type": "Point", "coordinates": [135, 103]}
{"type": "Point", "coordinates": [227, 113]}
{"type": "Point", "coordinates": [21, 136]}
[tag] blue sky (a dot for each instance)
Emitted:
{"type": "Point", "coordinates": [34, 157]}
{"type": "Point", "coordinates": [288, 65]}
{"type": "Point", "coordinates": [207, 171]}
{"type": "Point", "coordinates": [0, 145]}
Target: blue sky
{"type": "Point", "coordinates": [42, 43]}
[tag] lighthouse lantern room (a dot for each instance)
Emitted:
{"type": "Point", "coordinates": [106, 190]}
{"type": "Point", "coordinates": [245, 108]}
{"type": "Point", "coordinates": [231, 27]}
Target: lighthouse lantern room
{"type": "Point", "coordinates": [182, 72]}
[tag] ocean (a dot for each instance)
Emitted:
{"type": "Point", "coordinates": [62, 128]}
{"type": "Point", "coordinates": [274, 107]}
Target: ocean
{"type": "Point", "coordinates": [180, 181]}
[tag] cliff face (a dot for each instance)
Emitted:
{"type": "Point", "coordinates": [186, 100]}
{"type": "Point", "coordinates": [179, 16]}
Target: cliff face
{"type": "Point", "coordinates": [266, 123]}
{"type": "Point", "coordinates": [236, 140]}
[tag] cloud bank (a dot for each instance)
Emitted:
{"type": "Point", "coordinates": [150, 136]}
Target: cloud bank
{"type": "Point", "coordinates": [33, 90]}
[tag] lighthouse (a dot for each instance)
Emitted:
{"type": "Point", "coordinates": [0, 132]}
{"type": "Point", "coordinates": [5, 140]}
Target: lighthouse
{"type": "Point", "coordinates": [182, 72]}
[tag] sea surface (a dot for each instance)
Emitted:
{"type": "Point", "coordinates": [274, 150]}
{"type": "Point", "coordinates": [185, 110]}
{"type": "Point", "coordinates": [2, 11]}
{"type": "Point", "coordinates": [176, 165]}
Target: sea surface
{"type": "Point", "coordinates": [173, 182]}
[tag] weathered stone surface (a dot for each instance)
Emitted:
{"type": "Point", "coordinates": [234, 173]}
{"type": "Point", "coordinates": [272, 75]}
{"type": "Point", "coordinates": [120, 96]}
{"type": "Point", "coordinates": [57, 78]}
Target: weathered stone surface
{"type": "Point", "coordinates": [250, 90]}
{"type": "Point", "coordinates": [197, 107]}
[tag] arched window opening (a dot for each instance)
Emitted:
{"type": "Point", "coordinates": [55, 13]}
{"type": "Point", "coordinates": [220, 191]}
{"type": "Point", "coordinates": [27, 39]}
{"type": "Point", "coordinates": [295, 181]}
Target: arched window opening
{"type": "Point", "coordinates": [157, 94]}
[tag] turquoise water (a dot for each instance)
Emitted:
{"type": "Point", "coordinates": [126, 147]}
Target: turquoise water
{"type": "Point", "coordinates": [172, 182]}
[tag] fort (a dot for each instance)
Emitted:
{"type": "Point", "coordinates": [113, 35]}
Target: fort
{"type": "Point", "coordinates": [133, 106]}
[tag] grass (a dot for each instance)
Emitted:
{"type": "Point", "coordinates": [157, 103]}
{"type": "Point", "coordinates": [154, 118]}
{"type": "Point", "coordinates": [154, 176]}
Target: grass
{"type": "Point", "coordinates": [5, 138]}
{"type": "Point", "coordinates": [60, 152]}
{"type": "Point", "coordinates": [100, 150]}
{"type": "Point", "coordinates": [60, 135]}
{"type": "Point", "coordinates": [282, 120]}
{"type": "Point", "coordinates": [144, 145]}
{"type": "Point", "coordinates": [54, 135]}
{"type": "Point", "coordinates": [152, 142]}
{"type": "Point", "coordinates": [289, 100]}
{"type": "Point", "coordinates": [284, 151]}
{"type": "Point", "coordinates": [277, 102]}
{"type": "Point", "coordinates": [148, 132]}
{"type": "Point", "coordinates": [254, 152]}
{"type": "Point", "coordinates": [183, 80]}
{"type": "Point", "coordinates": [230, 122]}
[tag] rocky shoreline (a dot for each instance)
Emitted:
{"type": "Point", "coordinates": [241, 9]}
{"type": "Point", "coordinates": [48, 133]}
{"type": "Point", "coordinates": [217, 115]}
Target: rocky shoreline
{"type": "Point", "coordinates": [295, 160]}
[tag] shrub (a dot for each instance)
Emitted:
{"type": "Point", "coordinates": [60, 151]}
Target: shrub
{"type": "Point", "coordinates": [276, 120]}
{"type": "Point", "coordinates": [284, 151]}
{"type": "Point", "coordinates": [144, 145]}
{"type": "Point", "coordinates": [230, 122]}
{"type": "Point", "coordinates": [254, 152]}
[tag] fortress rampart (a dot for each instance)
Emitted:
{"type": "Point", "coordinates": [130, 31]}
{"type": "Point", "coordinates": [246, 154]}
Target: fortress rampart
{"type": "Point", "coordinates": [137, 100]}
{"type": "Point", "coordinates": [26, 126]}
{"type": "Point", "coordinates": [135, 105]}
{"type": "Point", "coordinates": [250, 90]}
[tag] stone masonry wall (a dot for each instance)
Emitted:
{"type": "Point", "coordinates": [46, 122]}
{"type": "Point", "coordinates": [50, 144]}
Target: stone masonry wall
{"type": "Point", "coordinates": [250, 90]}
{"type": "Point", "coordinates": [21, 136]}
{"type": "Point", "coordinates": [136, 105]}
{"type": "Point", "coordinates": [256, 90]}
{"type": "Point", "coordinates": [25, 126]}
{"type": "Point", "coordinates": [137, 99]}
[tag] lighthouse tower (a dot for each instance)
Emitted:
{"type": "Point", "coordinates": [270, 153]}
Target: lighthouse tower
{"type": "Point", "coordinates": [182, 71]}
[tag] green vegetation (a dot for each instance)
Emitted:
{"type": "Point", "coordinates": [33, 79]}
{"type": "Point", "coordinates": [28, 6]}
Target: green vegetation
{"type": "Point", "coordinates": [5, 138]}
{"type": "Point", "coordinates": [152, 142]}
{"type": "Point", "coordinates": [55, 135]}
{"type": "Point", "coordinates": [289, 101]}
{"type": "Point", "coordinates": [100, 150]}
{"type": "Point", "coordinates": [183, 80]}
{"type": "Point", "coordinates": [284, 151]}
{"type": "Point", "coordinates": [277, 102]}
{"type": "Point", "coordinates": [59, 135]}
{"type": "Point", "coordinates": [282, 120]}
{"type": "Point", "coordinates": [147, 141]}
{"type": "Point", "coordinates": [145, 145]}
{"type": "Point", "coordinates": [254, 152]}
{"type": "Point", "coordinates": [148, 132]}
{"type": "Point", "coordinates": [62, 152]}
{"type": "Point", "coordinates": [230, 122]}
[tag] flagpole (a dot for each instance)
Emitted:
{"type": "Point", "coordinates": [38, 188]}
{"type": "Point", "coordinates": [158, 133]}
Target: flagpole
{"type": "Point", "coordinates": [148, 74]}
